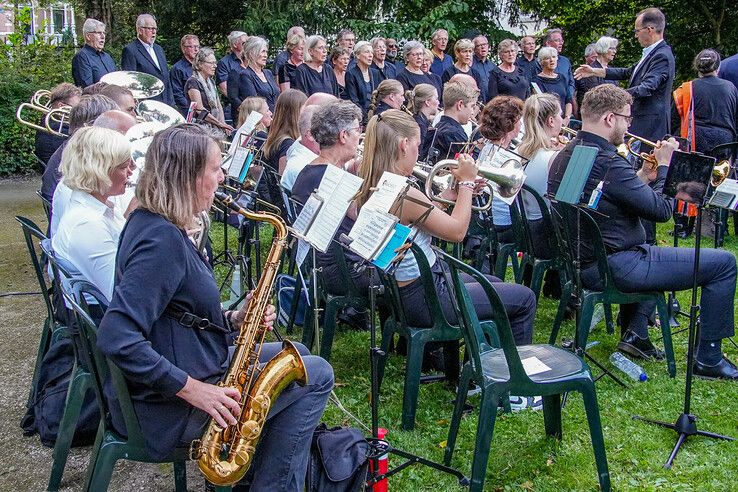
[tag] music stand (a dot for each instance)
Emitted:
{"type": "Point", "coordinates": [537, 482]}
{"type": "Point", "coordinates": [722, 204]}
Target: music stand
{"type": "Point", "coordinates": [688, 179]}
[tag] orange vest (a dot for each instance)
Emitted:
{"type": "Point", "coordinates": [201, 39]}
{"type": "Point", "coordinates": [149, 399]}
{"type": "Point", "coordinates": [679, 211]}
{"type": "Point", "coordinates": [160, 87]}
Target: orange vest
{"type": "Point", "coordinates": [683, 102]}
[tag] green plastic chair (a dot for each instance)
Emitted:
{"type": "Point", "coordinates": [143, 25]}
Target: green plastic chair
{"type": "Point", "coordinates": [496, 253]}
{"type": "Point", "coordinates": [80, 382]}
{"type": "Point", "coordinates": [110, 446]}
{"type": "Point", "coordinates": [567, 218]}
{"type": "Point", "coordinates": [53, 328]}
{"type": "Point", "coordinates": [498, 371]}
{"type": "Point", "coordinates": [333, 304]}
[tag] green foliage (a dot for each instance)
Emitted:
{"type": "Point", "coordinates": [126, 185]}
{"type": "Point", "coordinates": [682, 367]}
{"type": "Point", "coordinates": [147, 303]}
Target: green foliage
{"type": "Point", "coordinates": [25, 68]}
{"type": "Point", "coordinates": [691, 26]}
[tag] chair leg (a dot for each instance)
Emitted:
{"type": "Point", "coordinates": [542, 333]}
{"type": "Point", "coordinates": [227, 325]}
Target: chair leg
{"type": "Point", "coordinates": [102, 471]}
{"type": "Point", "coordinates": [75, 397]}
{"type": "Point", "coordinates": [552, 415]}
{"type": "Point", "coordinates": [536, 280]}
{"type": "Point", "coordinates": [453, 430]}
{"type": "Point", "coordinates": [180, 476]}
{"type": "Point", "coordinates": [329, 330]}
{"type": "Point", "coordinates": [415, 349]}
{"type": "Point", "coordinates": [308, 331]}
{"type": "Point", "coordinates": [485, 431]}
{"type": "Point", "coordinates": [43, 347]}
{"type": "Point", "coordinates": [666, 335]}
{"type": "Point", "coordinates": [585, 320]}
{"type": "Point", "coordinates": [595, 431]}
{"type": "Point", "coordinates": [566, 289]}
{"type": "Point", "coordinates": [608, 318]}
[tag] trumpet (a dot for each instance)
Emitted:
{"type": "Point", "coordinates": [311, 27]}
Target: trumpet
{"type": "Point", "coordinates": [647, 158]}
{"type": "Point", "coordinates": [564, 139]}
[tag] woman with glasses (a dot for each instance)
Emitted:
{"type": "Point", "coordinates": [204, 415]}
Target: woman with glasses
{"type": "Point", "coordinates": [507, 78]}
{"type": "Point", "coordinates": [255, 80]}
{"type": "Point", "coordinates": [200, 89]}
{"type": "Point", "coordinates": [313, 75]}
{"type": "Point", "coordinates": [548, 80]}
{"type": "Point", "coordinates": [413, 74]}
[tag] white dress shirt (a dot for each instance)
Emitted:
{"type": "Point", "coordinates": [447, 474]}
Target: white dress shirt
{"type": "Point", "coordinates": [150, 50]}
{"type": "Point", "coordinates": [63, 195]}
{"type": "Point", "coordinates": [298, 156]}
{"type": "Point", "coordinates": [87, 236]}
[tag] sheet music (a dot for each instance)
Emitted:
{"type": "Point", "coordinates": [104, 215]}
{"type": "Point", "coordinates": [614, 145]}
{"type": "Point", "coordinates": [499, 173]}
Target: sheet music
{"type": "Point", "coordinates": [307, 214]}
{"type": "Point", "coordinates": [725, 194]}
{"type": "Point", "coordinates": [337, 189]}
{"type": "Point", "coordinates": [371, 232]}
{"type": "Point", "coordinates": [246, 129]}
{"type": "Point", "coordinates": [238, 159]}
{"type": "Point", "coordinates": [388, 189]}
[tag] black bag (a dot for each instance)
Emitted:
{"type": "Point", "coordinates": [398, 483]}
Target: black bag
{"type": "Point", "coordinates": [45, 412]}
{"type": "Point", "coordinates": [338, 460]}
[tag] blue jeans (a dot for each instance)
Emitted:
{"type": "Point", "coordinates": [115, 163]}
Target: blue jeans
{"type": "Point", "coordinates": [280, 461]}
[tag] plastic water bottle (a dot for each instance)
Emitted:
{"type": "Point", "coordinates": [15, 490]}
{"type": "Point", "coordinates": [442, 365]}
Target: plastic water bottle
{"type": "Point", "coordinates": [633, 370]}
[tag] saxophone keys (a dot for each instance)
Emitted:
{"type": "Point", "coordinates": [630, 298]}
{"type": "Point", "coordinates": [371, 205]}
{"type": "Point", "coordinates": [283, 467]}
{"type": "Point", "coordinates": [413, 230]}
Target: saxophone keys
{"type": "Point", "coordinates": [250, 429]}
{"type": "Point", "coordinates": [243, 454]}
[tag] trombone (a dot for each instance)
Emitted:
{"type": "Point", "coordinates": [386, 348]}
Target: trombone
{"type": "Point", "coordinates": [58, 116]}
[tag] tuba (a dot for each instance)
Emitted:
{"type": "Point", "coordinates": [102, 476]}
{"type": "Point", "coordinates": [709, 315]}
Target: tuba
{"type": "Point", "coordinates": [225, 455]}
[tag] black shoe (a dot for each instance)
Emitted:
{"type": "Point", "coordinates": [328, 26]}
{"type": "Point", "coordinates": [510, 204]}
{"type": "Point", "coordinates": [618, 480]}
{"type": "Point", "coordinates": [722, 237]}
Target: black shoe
{"type": "Point", "coordinates": [641, 348]}
{"type": "Point", "coordinates": [722, 370]}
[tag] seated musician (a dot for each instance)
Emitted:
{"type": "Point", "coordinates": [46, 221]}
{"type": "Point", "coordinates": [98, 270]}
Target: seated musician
{"type": "Point", "coordinates": [258, 104]}
{"type": "Point", "coordinates": [636, 266]}
{"type": "Point", "coordinates": [96, 166]}
{"type": "Point", "coordinates": [422, 102]}
{"type": "Point", "coordinates": [64, 94]}
{"type": "Point", "coordinates": [336, 128]}
{"type": "Point", "coordinates": [543, 121]}
{"type": "Point", "coordinates": [391, 144]}
{"type": "Point", "coordinates": [83, 113]}
{"type": "Point", "coordinates": [389, 94]}
{"type": "Point", "coordinates": [286, 129]}
{"type": "Point", "coordinates": [500, 123]}
{"type": "Point", "coordinates": [172, 368]}
{"type": "Point", "coordinates": [459, 106]}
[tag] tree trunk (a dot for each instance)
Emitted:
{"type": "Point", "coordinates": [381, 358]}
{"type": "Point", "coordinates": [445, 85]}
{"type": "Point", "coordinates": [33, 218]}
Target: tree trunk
{"type": "Point", "coordinates": [101, 10]}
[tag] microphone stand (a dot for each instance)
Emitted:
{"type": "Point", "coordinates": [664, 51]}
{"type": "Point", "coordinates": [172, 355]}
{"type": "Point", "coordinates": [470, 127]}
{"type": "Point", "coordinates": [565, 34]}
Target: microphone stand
{"type": "Point", "coordinates": [686, 423]}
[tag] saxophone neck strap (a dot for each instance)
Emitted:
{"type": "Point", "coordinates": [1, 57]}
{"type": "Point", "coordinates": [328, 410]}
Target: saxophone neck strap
{"type": "Point", "coordinates": [190, 320]}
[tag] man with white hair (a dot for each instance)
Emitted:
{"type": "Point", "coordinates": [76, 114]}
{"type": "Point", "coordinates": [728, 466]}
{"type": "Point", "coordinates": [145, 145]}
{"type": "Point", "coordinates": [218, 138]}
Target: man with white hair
{"type": "Point", "coordinates": [90, 63]}
{"type": "Point", "coordinates": [441, 59]}
{"type": "Point", "coordinates": [144, 55]}
{"type": "Point", "coordinates": [230, 62]}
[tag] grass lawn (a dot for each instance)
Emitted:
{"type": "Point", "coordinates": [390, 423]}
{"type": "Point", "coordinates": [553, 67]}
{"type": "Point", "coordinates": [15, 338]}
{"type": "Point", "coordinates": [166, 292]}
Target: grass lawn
{"type": "Point", "coordinates": [522, 458]}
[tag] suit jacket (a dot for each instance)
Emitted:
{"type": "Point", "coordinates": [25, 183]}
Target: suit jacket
{"type": "Point", "coordinates": [136, 58]}
{"type": "Point", "coordinates": [729, 69]}
{"type": "Point", "coordinates": [650, 85]}
{"type": "Point", "coordinates": [357, 88]}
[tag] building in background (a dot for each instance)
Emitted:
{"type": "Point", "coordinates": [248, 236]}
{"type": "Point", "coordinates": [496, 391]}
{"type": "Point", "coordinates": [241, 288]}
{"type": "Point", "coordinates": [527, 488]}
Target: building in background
{"type": "Point", "coordinates": [53, 23]}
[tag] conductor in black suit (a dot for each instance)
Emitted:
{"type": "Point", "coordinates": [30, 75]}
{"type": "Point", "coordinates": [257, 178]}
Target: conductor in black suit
{"type": "Point", "coordinates": [90, 63]}
{"type": "Point", "coordinates": [144, 55]}
{"type": "Point", "coordinates": [650, 79]}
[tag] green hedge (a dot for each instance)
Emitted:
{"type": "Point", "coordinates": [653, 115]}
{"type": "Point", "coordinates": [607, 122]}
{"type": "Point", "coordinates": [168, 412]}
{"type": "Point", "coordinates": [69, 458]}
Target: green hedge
{"type": "Point", "coordinates": [25, 69]}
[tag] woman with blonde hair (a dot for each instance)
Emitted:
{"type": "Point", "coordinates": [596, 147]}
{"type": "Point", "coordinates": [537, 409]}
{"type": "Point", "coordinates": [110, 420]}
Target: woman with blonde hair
{"type": "Point", "coordinates": [201, 89]}
{"type": "Point", "coordinates": [422, 103]}
{"type": "Point", "coordinates": [391, 144]}
{"type": "Point", "coordinates": [464, 59]}
{"type": "Point", "coordinates": [295, 46]}
{"type": "Point", "coordinates": [96, 165]}
{"type": "Point", "coordinates": [543, 122]}
{"type": "Point", "coordinates": [255, 80]}
{"type": "Point", "coordinates": [258, 104]}
{"type": "Point", "coordinates": [388, 95]}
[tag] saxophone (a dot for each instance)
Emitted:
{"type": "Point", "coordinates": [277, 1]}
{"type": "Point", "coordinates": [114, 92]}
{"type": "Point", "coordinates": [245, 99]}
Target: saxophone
{"type": "Point", "coordinates": [224, 455]}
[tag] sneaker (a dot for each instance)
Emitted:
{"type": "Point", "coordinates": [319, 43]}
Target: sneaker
{"type": "Point", "coordinates": [518, 403]}
{"type": "Point", "coordinates": [473, 390]}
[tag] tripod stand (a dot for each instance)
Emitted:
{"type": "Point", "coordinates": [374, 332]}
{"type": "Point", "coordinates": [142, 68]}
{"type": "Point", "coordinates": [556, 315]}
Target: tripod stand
{"type": "Point", "coordinates": [686, 423]}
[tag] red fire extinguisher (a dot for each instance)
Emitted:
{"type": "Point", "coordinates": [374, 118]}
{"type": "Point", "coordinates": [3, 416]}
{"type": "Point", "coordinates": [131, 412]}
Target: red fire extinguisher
{"type": "Point", "coordinates": [382, 464]}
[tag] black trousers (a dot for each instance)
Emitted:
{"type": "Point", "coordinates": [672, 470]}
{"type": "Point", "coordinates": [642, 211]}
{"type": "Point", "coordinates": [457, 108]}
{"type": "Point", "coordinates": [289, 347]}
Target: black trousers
{"type": "Point", "coordinates": [653, 268]}
{"type": "Point", "coordinates": [519, 302]}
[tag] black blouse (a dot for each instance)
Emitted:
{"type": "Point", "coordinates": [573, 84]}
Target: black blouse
{"type": "Point", "coordinates": [502, 83]}
{"type": "Point", "coordinates": [359, 90]}
{"type": "Point", "coordinates": [311, 81]}
{"type": "Point", "coordinates": [556, 85]}
{"type": "Point", "coordinates": [251, 85]}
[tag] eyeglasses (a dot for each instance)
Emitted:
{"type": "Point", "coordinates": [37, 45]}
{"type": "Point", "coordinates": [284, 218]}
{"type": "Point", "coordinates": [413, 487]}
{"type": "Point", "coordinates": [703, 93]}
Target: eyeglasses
{"type": "Point", "coordinates": [356, 129]}
{"type": "Point", "coordinates": [628, 117]}
{"type": "Point", "coordinates": [192, 46]}
{"type": "Point", "coordinates": [150, 28]}
{"type": "Point", "coordinates": [210, 62]}
{"type": "Point", "coordinates": [639, 29]}
{"type": "Point", "coordinates": [99, 33]}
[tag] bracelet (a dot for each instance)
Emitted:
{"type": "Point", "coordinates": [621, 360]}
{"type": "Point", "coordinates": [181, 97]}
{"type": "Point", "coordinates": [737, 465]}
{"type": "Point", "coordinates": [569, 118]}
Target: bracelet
{"type": "Point", "coordinates": [467, 184]}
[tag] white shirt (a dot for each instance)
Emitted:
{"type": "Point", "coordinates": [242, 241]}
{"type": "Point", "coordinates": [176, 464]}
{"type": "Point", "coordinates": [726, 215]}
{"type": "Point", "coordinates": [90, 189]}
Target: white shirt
{"type": "Point", "coordinates": [298, 156]}
{"type": "Point", "coordinates": [87, 237]}
{"type": "Point", "coordinates": [646, 51]}
{"type": "Point", "coordinates": [63, 195]}
{"type": "Point", "coordinates": [150, 50]}
{"type": "Point", "coordinates": [536, 176]}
